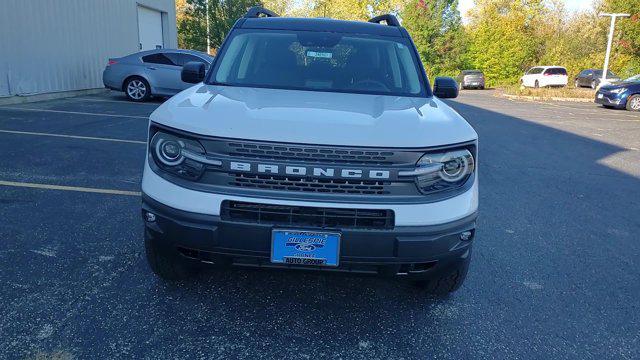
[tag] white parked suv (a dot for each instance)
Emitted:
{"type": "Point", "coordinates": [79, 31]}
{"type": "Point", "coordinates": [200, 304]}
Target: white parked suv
{"type": "Point", "coordinates": [545, 76]}
{"type": "Point", "coordinates": [312, 144]}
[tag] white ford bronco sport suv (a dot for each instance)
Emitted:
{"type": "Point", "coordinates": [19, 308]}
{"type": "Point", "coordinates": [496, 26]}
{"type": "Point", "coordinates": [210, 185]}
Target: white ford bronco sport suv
{"type": "Point", "coordinates": [312, 144]}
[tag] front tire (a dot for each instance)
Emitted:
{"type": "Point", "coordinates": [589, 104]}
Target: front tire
{"type": "Point", "coordinates": [446, 281]}
{"type": "Point", "coordinates": [577, 84]}
{"type": "Point", "coordinates": [166, 262]}
{"type": "Point", "coordinates": [536, 85]}
{"type": "Point", "coordinates": [633, 103]}
{"type": "Point", "coordinates": [137, 89]}
{"type": "Point", "coordinates": [594, 84]}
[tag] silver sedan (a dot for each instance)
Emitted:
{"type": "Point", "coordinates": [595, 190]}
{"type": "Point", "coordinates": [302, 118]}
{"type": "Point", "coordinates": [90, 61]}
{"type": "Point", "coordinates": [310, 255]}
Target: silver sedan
{"type": "Point", "coordinates": [151, 73]}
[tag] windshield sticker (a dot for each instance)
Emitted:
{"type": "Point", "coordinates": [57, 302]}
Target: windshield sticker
{"type": "Point", "coordinates": [316, 54]}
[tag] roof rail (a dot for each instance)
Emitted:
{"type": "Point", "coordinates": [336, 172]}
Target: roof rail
{"type": "Point", "coordinates": [391, 20]}
{"type": "Point", "coordinates": [258, 11]}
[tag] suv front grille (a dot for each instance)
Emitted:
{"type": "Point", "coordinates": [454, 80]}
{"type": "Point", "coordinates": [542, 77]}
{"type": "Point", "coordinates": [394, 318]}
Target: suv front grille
{"type": "Point", "coordinates": [307, 216]}
{"type": "Point", "coordinates": [309, 153]}
{"type": "Point", "coordinates": [329, 186]}
{"type": "Point", "coordinates": [307, 185]}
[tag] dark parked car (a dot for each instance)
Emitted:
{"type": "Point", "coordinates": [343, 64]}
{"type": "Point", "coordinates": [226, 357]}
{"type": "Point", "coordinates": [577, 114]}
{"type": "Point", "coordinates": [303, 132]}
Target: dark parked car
{"type": "Point", "coordinates": [591, 78]}
{"type": "Point", "coordinates": [471, 79]}
{"type": "Point", "coordinates": [154, 72]}
{"type": "Point", "coordinates": [625, 94]}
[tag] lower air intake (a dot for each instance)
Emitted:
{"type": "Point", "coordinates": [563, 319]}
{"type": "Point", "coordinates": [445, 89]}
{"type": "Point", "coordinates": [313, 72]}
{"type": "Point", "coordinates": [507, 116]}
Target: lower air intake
{"type": "Point", "coordinates": [307, 216]}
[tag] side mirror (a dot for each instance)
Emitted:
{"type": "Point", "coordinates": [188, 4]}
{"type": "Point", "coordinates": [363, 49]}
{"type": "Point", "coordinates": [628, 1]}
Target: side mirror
{"type": "Point", "coordinates": [445, 88]}
{"type": "Point", "coordinates": [193, 72]}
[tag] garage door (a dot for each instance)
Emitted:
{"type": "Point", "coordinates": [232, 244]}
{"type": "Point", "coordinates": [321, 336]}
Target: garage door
{"type": "Point", "coordinates": [149, 28]}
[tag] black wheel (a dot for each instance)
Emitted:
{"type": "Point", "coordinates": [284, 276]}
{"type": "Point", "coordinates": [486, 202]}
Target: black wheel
{"type": "Point", "coordinates": [633, 103]}
{"type": "Point", "coordinates": [446, 281]}
{"type": "Point", "coordinates": [482, 87]}
{"type": "Point", "coordinates": [536, 85]}
{"type": "Point", "coordinates": [594, 84]}
{"type": "Point", "coordinates": [166, 262]}
{"type": "Point", "coordinates": [137, 89]}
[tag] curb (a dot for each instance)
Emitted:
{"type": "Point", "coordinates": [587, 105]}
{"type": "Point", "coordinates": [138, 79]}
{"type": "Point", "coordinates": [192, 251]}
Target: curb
{"type": "Point", "coordinates": [21, 99]}
{"type": "Point", "coordinates": [552, 98]}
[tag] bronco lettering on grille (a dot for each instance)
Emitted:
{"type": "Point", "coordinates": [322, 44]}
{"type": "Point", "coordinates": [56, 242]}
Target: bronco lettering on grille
{"type": "Point", "coordinates": [309, 171]}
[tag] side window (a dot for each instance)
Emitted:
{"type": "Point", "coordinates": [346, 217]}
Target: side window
{"type": "Point", "coordinates": [185, 58]}
{"type": "Point", "coordinates": [557, 71]}
{"type": "Point", "coordinates": [174, 57]}
{"type": "Point", "coordinates": [161, 58]}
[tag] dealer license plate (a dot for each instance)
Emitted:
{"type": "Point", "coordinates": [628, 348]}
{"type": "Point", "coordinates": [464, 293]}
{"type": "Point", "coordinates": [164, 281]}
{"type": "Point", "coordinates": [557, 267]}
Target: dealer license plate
{"type": "Point", "coordinates": [300, 247]}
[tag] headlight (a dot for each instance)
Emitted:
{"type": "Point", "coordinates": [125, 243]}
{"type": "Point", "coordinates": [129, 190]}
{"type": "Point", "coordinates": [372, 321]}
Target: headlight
{"type": "Point", "coordinates": [444, 170]}
{"type": "Point", "coordinates": [169, 152]}
{"type": "Point", "coordinates": [179, 156]}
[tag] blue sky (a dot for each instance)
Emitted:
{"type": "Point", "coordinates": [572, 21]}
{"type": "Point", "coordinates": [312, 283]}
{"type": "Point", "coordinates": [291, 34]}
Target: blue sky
{"type": "Point", "coordinates": [572, 5]}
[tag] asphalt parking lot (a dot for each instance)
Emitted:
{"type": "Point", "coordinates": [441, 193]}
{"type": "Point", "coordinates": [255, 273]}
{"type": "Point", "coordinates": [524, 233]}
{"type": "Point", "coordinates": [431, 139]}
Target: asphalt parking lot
{"type": "Point", "coordinates": [555, 271]}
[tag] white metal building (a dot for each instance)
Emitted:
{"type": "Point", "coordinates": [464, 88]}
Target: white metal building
{"type": "Point", "coordinates": [51, 46]}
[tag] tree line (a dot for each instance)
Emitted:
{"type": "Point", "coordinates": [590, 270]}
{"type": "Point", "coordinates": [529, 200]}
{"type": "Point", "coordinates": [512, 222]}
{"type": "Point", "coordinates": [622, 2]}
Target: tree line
{"type": "Point", "coordinates": [503, 38]}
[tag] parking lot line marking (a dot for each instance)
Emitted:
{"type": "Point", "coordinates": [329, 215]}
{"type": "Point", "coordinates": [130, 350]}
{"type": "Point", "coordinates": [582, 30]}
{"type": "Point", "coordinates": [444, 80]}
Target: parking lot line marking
{"type": "Point", "coordinates": [605, 116]}
{"type": "Point", "coordinates": [69, 188]}
{"type": "Point", "coordinates": [72, 112]}
{"type": "Point", "coordinates": [71, 136]}
{"type": "Point", "coordinates": [587, 110]}
{"type": "Point", "coordinates": [117, 101]}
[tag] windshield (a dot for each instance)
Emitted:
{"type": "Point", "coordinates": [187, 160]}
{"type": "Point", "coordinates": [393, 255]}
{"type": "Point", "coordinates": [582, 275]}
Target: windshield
{"type": "Point", "coordinates": [609, 73]}
{"type": "Point", "coordinates": [319, 61]}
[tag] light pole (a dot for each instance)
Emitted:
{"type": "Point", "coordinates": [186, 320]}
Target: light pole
{"type": "Point", "coordinates": [208, 40]}
{"type": "Point", "coordinates": [611, 29]}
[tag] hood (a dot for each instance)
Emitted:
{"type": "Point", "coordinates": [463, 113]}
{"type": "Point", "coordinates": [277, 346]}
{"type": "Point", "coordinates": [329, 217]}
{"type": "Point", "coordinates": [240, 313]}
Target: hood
{"type": "Point", "coordinates": [313, 117]}
{"type": "Point", "coordinates": [619, 84]}
{"type": "Point", "coordinates": [613, 81]}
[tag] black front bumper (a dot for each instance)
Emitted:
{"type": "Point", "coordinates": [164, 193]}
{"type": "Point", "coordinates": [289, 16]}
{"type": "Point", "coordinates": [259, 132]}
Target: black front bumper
{"type": "Point", "coordinates": [410, 250]}
{"type": "Point", "coordinates": [610, 100]}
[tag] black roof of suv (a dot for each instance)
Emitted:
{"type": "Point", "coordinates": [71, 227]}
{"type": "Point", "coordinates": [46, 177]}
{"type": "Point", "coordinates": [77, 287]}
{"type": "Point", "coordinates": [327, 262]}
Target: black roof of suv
{"type": "Point", "coordinates": [269, 20]}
